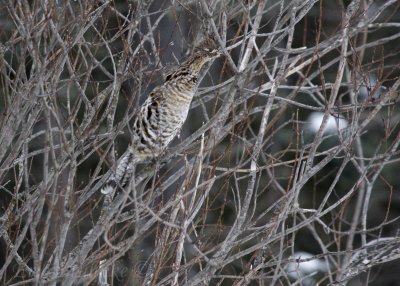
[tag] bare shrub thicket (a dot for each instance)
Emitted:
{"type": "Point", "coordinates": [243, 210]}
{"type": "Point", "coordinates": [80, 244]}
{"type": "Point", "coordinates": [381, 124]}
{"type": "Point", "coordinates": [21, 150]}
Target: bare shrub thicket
{"type": "Point", "coordinates": [292, 144]}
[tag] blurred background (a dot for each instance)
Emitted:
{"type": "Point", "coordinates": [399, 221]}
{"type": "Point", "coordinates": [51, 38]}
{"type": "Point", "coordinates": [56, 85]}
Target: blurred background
{"type": "Point", "coordinates": [285, 172]}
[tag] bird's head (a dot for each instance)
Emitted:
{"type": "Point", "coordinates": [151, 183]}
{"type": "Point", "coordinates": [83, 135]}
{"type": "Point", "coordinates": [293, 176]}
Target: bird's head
{"type": "Point", "coordinates": [203, 53]}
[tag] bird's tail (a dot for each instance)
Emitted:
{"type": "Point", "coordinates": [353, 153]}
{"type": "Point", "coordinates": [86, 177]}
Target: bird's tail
{"type": "Point", "coordinates": [123, 173]}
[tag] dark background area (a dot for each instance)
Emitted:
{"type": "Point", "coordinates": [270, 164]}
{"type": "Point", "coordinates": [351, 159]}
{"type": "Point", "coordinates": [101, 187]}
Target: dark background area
{"type": "Point", "coordinates": [69, 89]}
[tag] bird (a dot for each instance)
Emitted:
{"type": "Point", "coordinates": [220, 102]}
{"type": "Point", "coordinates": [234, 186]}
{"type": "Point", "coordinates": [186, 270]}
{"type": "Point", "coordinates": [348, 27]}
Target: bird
{"type": "Point", "coordinates": [161, 116]}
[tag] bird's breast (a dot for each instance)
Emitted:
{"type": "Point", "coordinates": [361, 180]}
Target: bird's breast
{"type": "Point", "coordinates": [179, 98]}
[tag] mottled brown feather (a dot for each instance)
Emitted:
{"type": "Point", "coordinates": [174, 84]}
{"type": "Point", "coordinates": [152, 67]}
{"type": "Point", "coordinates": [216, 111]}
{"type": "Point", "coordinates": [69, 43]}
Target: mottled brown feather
{"type": "Point", "coordinates": [162, 115]}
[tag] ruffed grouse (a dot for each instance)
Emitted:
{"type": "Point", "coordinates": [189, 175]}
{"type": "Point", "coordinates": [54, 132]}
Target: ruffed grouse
{"type": "Point", "coordinates": [162, 115]}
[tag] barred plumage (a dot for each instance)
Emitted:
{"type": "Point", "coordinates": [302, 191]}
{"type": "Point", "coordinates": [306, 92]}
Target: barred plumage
{"type": "Point", "coordinates": [162, 115]}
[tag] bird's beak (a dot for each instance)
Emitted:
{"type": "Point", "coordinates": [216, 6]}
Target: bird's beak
{"type": "Point", "coordinates": [217, 54]}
